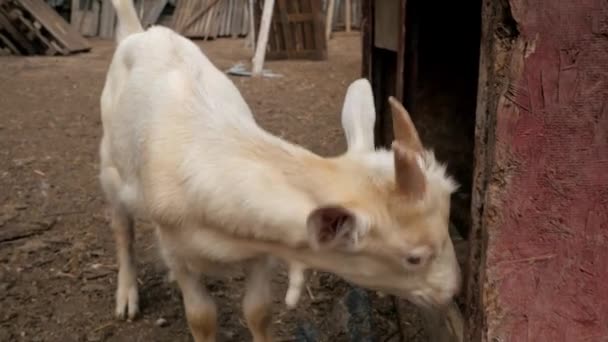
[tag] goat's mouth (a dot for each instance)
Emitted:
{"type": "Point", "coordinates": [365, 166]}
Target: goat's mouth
{"type": "Point", "coordinates": [423, 300]}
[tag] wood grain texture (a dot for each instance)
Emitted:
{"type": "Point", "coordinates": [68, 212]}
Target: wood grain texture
{"type": "Point", "coordinates": [545, 214]}
{"type": "Point", "coordinates": [297, 30]}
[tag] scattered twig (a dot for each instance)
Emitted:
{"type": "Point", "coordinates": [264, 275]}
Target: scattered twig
{"type": "Point", "coordinates": [309, 290]}
{"type": "Point", "coordinates": [103, 326]}
{"type": "Point", "coordinates": [393, 334]}
{"type": "Point", "coordinates": [65, 213]}
{"type": "Point", "coordinates": [65, 275]}
{"type": "Point", "coordinates": [97, 276]}
{"type": "Point", "coordinates": [8, 317]}
{"type": "Point", "coordinates": [39, 228]}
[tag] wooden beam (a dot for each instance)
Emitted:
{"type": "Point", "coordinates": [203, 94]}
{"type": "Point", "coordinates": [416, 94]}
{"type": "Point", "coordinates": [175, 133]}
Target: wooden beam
{"type": "Point", "coordinates": [251, 36]}
{"type": "Point", "coordinates": [329, 19]}
{"type": "Point", "coordinates": [347, 16]}
{"type": "Point", "coordinates": [260, 50]}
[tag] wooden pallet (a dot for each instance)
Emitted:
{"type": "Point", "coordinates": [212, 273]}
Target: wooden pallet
{"type": "Point", "coordinates": [13, 39]}
{"type": "Point", "coordinates": [32, 27]}
{"type": "Point", "coordinates": [297, 30]}
{"type": "Point", "coordinates": [65, 35]}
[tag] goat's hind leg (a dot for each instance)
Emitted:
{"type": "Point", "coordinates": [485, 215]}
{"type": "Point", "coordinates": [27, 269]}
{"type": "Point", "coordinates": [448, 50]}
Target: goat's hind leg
{"type": "Point", "coordinates": [122, 223]}
{"type": "Point", "coordinates": [127, 295]}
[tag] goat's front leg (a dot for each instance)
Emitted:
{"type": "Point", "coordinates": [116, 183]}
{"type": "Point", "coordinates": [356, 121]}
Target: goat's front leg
{"type": "Point", "coordinates": [201, 312]}
{"type": "Point", "coordinates": [258, 300]}
{"type": "Point", "coordinates": [127, 296]}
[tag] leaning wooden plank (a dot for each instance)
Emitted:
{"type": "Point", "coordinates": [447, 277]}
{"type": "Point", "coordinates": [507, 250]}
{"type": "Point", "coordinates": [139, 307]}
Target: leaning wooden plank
{"type": "Point", "coordinates": [182, 13]}
{"type": "Point", "coordinates": [237, 18]}
{"type": "Point", "coordinates": [7, 46]}
{"type": "Point", "coordinates": [152, 12]}
{"type": "Point", "coordinates": [329, 19]}
{"type": "Point", "coordinates": [260, 51]}
{"type": "Point", "coordinates": [232, 17]}
{"type": "Point", "coordinates": [220, 17]}
{"type": "Point", "coordinates": [251, 14]}
{"type": "Point", "coordinates": [245, 26]}
{"type": "Point", "coordinates": [56, 25]}
{"type": "Point", "coordinates": [245, 18]}
{"type": "Point", "coordinates": [230, 7]}
{"type": "Point", "coordinates": [37, 32]}
{"type": "Point", "coordinates": [18, 37]}
{"type": "Point", "coordinates": [199, 14]}
{"type": "Point", "coordinates": [216, 21]}
{"type": "Point", "coordinates": [238, 22]}
{"type": "Point", "coordinates": [210, 21]}
{"type": "Point", "coordinates": [347, 15]}
{"type": "Point", "coordinates": [85, 17]}
{"type": "Point", "coordinates": [318, 28]}
{"type": "Point", "coordinates": [228, 18]}
{"type": "Point", "coordinates": [225, 18]}
{"type": "Point", "coordinates": [197, 29]}
{"type": "Point", "coordinates": [107, 20]}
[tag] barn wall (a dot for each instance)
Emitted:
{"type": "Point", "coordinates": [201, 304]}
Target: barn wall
{"type": "Point", "coordinates": [541, 184]}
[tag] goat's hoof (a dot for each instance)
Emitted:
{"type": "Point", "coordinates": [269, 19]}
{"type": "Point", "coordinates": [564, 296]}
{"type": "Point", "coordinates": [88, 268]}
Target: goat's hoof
{"type": "Point", "coordinates": [127, 303]}
{"type": "Point", "coordinates": [170, 277]}
{"type": "Point", "coordinates": [292, 297]}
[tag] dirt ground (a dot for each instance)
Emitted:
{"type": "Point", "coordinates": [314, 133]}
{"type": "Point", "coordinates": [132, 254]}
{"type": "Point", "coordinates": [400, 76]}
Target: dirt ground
{"type": "Point", "coordinates": [57, 265]}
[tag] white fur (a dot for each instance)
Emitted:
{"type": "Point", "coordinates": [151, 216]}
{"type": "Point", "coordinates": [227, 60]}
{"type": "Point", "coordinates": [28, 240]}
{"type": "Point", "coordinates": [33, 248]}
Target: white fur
{"type": "Point", "coordinates": [359, 117]}
{"type": "Point", "coordinates": [181, 146]}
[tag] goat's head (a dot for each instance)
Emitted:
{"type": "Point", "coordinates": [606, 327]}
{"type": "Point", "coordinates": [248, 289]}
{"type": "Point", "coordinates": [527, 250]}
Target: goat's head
{"type": "Point", "coordinates": [392, 232]}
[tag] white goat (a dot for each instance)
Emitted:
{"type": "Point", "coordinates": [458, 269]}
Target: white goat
{"type": "Point", "coordinates": [181, 146]}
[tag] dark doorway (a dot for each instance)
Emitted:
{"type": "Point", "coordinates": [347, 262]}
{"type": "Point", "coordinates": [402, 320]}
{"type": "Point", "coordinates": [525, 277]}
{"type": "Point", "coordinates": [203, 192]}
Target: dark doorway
{"type": "Point", "coordinates": [441, 68]}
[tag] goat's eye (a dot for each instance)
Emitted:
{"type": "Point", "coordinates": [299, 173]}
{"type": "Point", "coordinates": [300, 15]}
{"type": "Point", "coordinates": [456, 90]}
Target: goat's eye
{"type": "Point", "coordinates": [413, 260]}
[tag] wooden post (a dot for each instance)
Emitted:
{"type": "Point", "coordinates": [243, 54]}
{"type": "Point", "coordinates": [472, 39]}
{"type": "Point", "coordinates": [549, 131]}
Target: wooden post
{"type": "Point", "coordinates": [260, 49]}
{"type": "Point", "coordinates": [347, 15]}
{"type": "Point", "coordinates": [251, 37]}
{"type": "Point", "coordinates": [329, 19]}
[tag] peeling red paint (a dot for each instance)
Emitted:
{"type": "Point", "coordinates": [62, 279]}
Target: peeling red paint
{"type": "Point", "coordinates": [547, 252]}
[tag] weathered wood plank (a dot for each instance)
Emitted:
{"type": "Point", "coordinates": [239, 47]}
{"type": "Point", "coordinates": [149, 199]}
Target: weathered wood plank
{"type": "Point", "coordinates": [56, 25]}
{"type": "Point", "coordinates": [107, 20]}
{"type": "Point", "coordinates": [16, 35]}
{"type": "Point", "coordinates": [152, 12]}
{"type": "Point", "coordinates": [544, 223]}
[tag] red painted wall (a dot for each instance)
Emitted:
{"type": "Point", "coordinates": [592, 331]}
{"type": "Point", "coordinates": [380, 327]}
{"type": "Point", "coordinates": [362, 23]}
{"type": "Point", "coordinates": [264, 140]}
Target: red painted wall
{"type": "Point", "coordinates": [546, 216]}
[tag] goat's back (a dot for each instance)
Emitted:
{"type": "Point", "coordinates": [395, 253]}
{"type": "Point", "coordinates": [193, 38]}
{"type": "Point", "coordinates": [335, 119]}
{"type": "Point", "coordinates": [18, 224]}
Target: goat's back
{"type": "Point", "coordinates": [163, 99]}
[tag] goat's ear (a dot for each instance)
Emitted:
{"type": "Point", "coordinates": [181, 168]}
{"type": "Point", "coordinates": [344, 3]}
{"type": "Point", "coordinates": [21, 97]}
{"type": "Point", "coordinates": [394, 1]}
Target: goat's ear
{"type": "Point", "coordinates": [334, 227]}
{"type": "Point", "coordinates": [359, 116]}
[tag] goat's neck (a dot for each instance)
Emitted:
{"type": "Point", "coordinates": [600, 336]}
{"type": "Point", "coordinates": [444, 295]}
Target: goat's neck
{"type": "Point", "coordinates": [290, 183]}
{"type": "Point", "coordinates": [323, 180]}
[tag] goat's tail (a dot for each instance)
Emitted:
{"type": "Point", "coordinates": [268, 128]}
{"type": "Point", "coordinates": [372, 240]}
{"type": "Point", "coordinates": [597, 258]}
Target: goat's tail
{"type": "Point", "coordinates": [128, 22]}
